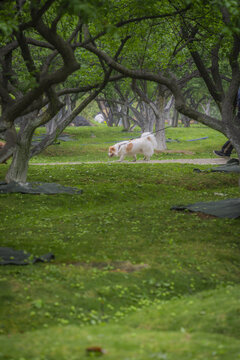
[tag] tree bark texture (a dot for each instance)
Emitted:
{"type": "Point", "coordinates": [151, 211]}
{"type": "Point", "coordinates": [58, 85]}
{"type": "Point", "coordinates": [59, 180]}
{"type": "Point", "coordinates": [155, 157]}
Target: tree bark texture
{"type": "Point", "coordinates": [160, 123]}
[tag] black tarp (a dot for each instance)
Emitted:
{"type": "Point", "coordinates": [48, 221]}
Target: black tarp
{"type": "Point", "coordinates": [232, 166]}
{"type": "Point", "coordinates": [37, 188]}
{"type": "Point", "coordinates": [229, 208]}
{"type": "Point", "coordinates": [202, 138]}
{"type": "Point", "coordinates": [9, 256]}
{"type": "Point", "coordinates": [62, 137]}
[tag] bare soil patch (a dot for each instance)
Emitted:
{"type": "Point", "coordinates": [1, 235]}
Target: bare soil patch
{"type": "Point", "coordinates": [114, 266]}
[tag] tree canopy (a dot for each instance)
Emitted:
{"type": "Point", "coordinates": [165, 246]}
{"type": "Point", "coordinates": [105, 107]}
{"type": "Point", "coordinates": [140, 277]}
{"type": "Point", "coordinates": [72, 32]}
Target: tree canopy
{"type": "Point", "coordinates": [51, 48]}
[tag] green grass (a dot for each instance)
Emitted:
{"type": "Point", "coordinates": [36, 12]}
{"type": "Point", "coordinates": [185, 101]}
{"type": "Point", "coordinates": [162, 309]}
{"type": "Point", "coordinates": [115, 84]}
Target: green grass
{"type": "Point", "coordinates": [195, 327]}
{"type": "Point", "coordinates": [91, 143]}
{"type": "Point", "coordinates": [130, 275]}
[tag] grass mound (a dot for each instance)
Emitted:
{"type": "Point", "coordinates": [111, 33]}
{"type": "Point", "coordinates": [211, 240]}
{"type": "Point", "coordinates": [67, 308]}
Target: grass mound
{"type": "Point", "coordinates": [204, 326]}
{"type": "Point", "coordinates": [129, 275]}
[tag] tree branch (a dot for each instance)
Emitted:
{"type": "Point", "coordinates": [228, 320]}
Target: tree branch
{"type": "Point", "coordinates": [144, 98]}
{"type": "Point", "coordinates": [215, 68]}
{"type": "Point", "coordinates": [170, 82]}
{"type": "Point", "coordinates": [36, 13]}
{"type": "Point", "coordinates": [135, 20]}
{"type": "Point", "coordinates": [231, 93]}
{"type": "Point", "coordinates": [61, 126]}
{"type": "Point", "coordinates": [217, 96]}
{"type": "Point", "coordinates": [26, 53]}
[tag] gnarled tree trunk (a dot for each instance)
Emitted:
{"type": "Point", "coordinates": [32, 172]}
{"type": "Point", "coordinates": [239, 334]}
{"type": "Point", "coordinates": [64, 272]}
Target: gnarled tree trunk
{"type": "Point", "coordinates": [160, 122]}
{"type": "Point", "coordinates": [19, 166]}
{"type": "Point", "coordinates": [18, 169]}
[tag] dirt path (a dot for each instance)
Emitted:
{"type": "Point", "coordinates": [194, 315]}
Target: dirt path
{"type": "Point", "coordinates": [217, 161]}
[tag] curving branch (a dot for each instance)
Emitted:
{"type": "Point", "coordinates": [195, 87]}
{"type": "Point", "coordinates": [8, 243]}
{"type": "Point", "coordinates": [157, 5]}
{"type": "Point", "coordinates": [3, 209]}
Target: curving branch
{"type": "Point", "coordinates": [203, 70]}
{"type": "Point", "coordinates": [36, 13]}
{"type": "Point", "coordinates": [135, 20]}
{"type": "Point", "coordinates": [231, 93]}
{"type": "Point", "coordinates": [26, 54]}
{"type": "Point", "coordinates": [46, 80]}
{"type": "Point", "coordinates": [215, 68]}
{"type": "Point", "coordinates": [169, 81]}
{"type": "Point", "coordinates": [57, 130]}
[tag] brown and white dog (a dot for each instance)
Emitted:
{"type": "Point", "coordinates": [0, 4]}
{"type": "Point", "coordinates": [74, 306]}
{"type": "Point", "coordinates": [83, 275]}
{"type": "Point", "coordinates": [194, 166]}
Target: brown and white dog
{"type": "Point", "coordinates": [144, 145]}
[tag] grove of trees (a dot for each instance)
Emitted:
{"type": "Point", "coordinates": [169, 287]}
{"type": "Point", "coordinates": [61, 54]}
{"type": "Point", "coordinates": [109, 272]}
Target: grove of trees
{"type": "Point", "coordinates": [57, 56]}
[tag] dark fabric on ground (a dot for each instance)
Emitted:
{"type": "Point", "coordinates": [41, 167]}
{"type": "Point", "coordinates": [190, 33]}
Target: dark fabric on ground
{"type": "Point", "coordinates": [172, 140]}
{"type": "Point", "coordinates": [203, 138]}
{"type": "Point", "coordinates": [37, 188]}
{"type": "Point", "coordinates": [62, 137]}
{"type": "Point", "coordinates": [9, 256]}
{"type": "Point", "coordinates": [233, 161]}
{"type": "Point", "coordinates": [227, 168]}
{"type": "Point", "coordinates": [229, 208]}
{"type": "Point", "coordinates": [232, 166]}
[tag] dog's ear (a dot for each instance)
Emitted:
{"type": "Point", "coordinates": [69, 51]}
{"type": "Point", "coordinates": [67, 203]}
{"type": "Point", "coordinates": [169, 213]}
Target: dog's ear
{"type": "Point", "coordinates": [111, 148]}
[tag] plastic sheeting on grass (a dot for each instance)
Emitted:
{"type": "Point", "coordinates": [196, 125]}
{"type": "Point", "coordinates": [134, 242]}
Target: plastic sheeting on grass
{"type": "Point", "coordinates": [232, 166]}
{"type": "Point", "coordinates": [229, 208]}
{"type": "Point", "coordinates": [37, 188]}
{"type": "Point", "coordinates": [9, 256]}
{"type": "Point", "coordinates": [62, 137]}
{"type": "Point", "coordinates": [202, 138]}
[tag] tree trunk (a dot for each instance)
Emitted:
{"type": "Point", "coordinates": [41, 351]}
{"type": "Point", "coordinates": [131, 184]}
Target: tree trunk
{"type": "Point", "coordinates": [145, 116]}
{"type": "Point", "coordinates": [233, 134]}
{"type": "Point", "coordinates": [186, 121]}
{"type": "Point", "coordinates": [152, 119]}
{"type": "Point", "coordinates": [160, 124]}
{"type": "Point", "coordinates": [167, 109]}
{"type": "Point", "coordinates": [206, 107]}
{"type": "Point", "coordinates": [175, 118]}
{"type": "Point", "coordinates": [125, 118]}
{"type": "Point", "coordinates": [19, 166]}
{"type": "Point", "coordinates": [104, 107]}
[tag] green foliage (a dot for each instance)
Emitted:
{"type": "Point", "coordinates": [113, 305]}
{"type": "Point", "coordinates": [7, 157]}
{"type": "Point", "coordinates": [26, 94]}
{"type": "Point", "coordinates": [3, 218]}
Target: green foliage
{"type": "Point", "coordinates": [87, 9]}
{"type": "Point", "coordinates": [8, 21]}
{"type": "Point", "coordinates": [217, 7]}
{"type": "Point", "coordinates": [151, 45]}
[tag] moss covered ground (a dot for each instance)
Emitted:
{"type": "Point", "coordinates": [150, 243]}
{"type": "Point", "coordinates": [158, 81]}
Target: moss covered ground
{"type": "Point", "coordinates": [129, 275]}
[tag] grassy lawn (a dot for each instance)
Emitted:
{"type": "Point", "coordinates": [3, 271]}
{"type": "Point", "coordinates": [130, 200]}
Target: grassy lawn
{"type": "Point", "coordinates": [91, 143]}
{"type": "Point", "coordinates": [129, 275]}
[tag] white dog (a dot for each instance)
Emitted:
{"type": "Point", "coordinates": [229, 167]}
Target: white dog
{"type": "Point", "coordinates": [144, 145]}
